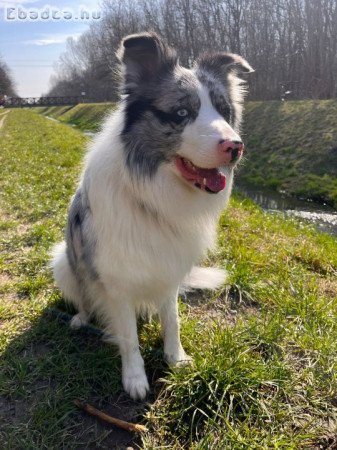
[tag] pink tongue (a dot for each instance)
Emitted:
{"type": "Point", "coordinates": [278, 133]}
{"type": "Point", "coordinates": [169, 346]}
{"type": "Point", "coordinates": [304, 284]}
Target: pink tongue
{"type": "Point", "coordinates": [215, 180]}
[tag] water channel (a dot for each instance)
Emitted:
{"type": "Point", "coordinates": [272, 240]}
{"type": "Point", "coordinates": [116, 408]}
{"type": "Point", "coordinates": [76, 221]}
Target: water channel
{"type": "Point", "coordinates": [322, 216]}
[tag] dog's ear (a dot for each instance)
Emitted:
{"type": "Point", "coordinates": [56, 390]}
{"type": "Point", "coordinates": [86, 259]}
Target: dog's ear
{"type": "Point", "coordinates": [221, 64]}
{"type": "Point", "coordinates": [145, 56]}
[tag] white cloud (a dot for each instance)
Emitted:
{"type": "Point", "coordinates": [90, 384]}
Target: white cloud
{"type": "Point", "coordinates": [52, 39]}
{"type": "Point", "coordinates": [5, 3]}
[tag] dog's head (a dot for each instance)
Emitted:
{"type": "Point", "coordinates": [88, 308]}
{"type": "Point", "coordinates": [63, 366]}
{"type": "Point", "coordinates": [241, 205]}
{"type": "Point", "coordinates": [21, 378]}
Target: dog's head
{"type": "Point", "coordinates": [185, 118]}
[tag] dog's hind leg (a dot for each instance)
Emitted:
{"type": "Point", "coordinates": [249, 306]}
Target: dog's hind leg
{"type": "Point", "coordinates": [169, 318]}
{"type": "Point", "coordinates": [68, 284]}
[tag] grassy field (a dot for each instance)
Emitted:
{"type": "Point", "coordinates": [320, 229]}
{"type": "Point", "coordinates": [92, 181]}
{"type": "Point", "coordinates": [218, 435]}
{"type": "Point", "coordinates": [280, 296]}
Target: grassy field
{"type": "Point", "coordinates": [264, 347]}
{"type": "Point", "coordinates": [291, 146]}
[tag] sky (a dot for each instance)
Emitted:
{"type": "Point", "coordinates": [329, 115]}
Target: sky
{"type": "Point", "coordinates": [31, 44]}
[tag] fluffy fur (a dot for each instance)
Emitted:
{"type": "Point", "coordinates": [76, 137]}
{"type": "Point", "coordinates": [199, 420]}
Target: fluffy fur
{"type": "Point", "coordinates": [142, 217]}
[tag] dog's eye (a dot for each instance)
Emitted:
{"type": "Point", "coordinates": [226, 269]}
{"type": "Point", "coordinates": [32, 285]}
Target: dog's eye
{"type": "Point", "coordinates": [182, 112]}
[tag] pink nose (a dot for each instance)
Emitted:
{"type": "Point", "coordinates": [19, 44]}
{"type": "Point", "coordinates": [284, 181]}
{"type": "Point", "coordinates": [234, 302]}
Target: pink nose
{"type": "Point", "coordinates": [231, 150]}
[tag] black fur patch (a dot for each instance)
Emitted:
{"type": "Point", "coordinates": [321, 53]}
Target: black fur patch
{"type": "Point", "coordinates": [152, 128]}
{"type": "Point", "coordinates": [221, 104]}
{"type": "Point", "coordinates": [133, 112]}
{"type": "Point", "coordinates": [80, 245]}
{"type": "Point", "coordinates": [168, 118]}
{"type": "Point", "coordinates": [144, 161]}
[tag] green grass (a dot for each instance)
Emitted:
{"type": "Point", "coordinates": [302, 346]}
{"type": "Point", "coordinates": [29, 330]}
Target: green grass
{"type": "Point", "coordinates": [86, 117]}
{"type": "Point", "coordinates": [264, 348]}
{"type": "Point", "coordinates": [291, 146]}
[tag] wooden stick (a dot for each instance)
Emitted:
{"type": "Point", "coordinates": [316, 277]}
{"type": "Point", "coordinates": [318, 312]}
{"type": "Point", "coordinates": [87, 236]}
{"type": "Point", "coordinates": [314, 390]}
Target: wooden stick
{"type": "Point", "coordinates": [112, 420]}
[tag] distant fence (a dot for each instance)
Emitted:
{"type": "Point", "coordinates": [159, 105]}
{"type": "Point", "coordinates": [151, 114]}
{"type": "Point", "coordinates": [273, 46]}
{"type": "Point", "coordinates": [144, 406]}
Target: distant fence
{"type": "Point", "coordinates": [18, 102]}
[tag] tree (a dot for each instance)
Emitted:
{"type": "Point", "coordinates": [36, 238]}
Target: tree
{"type": "Point", "coordinates": [292, 44]}
{"type": "Point", "coordinates": [7, 86]}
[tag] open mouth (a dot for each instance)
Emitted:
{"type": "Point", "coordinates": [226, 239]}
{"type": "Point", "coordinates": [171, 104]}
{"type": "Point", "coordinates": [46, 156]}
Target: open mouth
{"type": "Point", "coordinates": [209, 180]}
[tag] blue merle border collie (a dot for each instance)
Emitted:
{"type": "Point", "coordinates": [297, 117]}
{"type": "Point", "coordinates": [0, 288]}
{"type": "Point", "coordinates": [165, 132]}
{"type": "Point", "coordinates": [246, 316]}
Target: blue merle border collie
{"type": "Point", "coordinates": [155, 181]}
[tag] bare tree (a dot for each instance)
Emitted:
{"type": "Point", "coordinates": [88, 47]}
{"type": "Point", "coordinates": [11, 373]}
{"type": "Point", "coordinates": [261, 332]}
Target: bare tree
{"type": "Point", "coordinates": [292, 44]}
{"type": "Point", "coordinates": [7, 85]}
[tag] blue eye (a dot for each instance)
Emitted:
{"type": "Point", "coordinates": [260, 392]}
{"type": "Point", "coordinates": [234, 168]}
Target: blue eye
{"type": "Point", "coordinates": [182, 112]}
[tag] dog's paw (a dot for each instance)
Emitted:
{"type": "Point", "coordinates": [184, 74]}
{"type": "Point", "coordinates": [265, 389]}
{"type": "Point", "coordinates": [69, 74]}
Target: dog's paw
{"type": "Point", "coordinates": [179, 360]}
{"type": "Point", "coordinates": [78, 321]}
{"type": "Point", "coordinates": [136, 384]}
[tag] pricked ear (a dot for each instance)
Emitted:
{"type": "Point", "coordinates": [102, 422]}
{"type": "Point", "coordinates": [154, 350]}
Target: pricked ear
{"type": "Point", "coordinates": [145, 56]}
{"type": "Point", "coordinates": [221, 63]}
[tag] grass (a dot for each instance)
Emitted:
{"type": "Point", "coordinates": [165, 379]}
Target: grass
{"type": "Point", "coordinates": [264, 348]}
{"type": "Point", "coordinates": [292, 147]}
{"type": "Point", "coordinates": [86, 117]}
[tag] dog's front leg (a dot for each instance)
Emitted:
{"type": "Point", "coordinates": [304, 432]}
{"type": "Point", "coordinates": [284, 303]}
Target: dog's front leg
{"type": "Point", "coordinates": [169, 318]}
{"type": "Point", "coordinates": [124, 328]}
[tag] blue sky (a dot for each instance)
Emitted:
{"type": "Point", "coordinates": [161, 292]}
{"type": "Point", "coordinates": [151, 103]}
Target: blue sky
{"type": "Point", "coordinates": [31, 47]}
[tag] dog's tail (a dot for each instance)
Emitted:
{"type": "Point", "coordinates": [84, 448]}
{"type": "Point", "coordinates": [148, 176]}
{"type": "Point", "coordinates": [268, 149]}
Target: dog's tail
{"type": "Point", "coordinates": [63, 275]}
{"type": "Point", "coordinates": [203, 278]}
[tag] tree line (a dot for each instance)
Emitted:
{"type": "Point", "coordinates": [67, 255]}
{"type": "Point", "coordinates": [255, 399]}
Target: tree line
{"type": "Point", "coordinates": [7, 85]}
{"type": "Point", "coordinates": [292, 44]}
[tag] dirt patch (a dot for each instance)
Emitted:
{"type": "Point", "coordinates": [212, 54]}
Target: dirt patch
{"type": "Point", "coordinates": [14, 411]}
{"type": "Point", "coordinates": [4, 279]}
{"type": "Point", "coordinates": [2, 118]}
{"type": "Point", "coordinates": [202, 307]}
{"type": "Point", "coordinates": [327, 287]}
{"type": "Point", "coordinates": [22, 229]}
{"type": "Point", "coordinates": [108, 436]}
{"type": "Point", "coordinates": [10, 297]}
{"type": "Point", "coordinates": [89, 432]}
{"type": "Point", "coordinates": [224, 309]}
{"type": "Point", "coordinates": [325, 443]}
{"type": "Point", "coordinates": [35, 350]}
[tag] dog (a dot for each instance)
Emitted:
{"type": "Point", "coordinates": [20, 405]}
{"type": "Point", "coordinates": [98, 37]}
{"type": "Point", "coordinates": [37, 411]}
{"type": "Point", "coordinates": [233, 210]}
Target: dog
{"type": "Point", "coordinates": [155, 180]}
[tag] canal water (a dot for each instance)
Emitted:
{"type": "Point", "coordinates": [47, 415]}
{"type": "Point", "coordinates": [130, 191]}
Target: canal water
{"type": "Point", "coordinates": [322, 216]}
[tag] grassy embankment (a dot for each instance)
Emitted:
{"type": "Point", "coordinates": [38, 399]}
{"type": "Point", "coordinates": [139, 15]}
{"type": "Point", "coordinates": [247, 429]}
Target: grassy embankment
{"type": "Point", "coordinates": [85, 116]}
{"type": "Point", "coordinates": [291, 146]}
{"type": "Point", "coordinates": [264, 348]}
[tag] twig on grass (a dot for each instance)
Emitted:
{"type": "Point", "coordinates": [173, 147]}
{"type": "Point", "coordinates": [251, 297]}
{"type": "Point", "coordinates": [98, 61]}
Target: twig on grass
{"type": "Point", "coordinates": [136, 427]}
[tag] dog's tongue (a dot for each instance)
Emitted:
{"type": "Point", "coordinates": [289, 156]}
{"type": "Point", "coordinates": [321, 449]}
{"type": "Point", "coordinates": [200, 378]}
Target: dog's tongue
{"type": "Point", "coordinates": [214, 179]}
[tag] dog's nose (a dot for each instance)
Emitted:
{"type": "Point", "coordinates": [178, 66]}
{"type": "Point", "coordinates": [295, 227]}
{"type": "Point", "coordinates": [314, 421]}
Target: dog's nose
{"type": "Point", "coordinates": [231, 150]}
